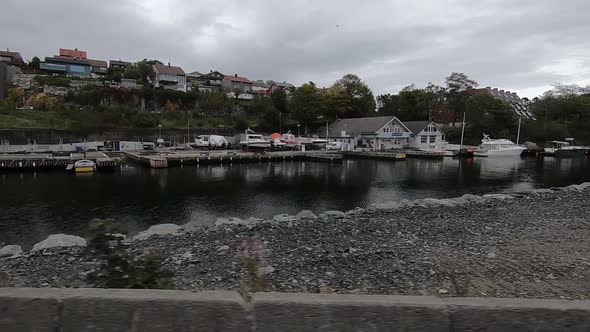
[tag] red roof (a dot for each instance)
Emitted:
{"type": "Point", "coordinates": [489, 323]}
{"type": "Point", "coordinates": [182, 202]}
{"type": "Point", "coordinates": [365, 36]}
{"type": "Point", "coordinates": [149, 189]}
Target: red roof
{"type": "Point", "coordinates": [237, 79]}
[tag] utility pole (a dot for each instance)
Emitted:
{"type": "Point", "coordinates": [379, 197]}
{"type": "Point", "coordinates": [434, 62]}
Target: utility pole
{"type": "Point", "coordinates": [188, 126]}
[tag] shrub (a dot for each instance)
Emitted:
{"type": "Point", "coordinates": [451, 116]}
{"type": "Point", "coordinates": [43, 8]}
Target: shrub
{"type": "Point", "coordinates": [118, 269]}
{"type": "Point", "coordinates": [53, 81]}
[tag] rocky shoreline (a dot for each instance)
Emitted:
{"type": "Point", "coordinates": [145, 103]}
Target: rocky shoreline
{"type": "Point", "coordinates": [533, 244]}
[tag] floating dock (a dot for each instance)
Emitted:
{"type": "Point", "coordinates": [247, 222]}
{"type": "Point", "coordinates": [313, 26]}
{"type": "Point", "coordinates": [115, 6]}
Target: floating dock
{"type": "Point", "coordinates": [375, 155]}
{"type": "Point", "coordinates": [170, 159]}
{"type": "Point", "coordinates": [36, 161]}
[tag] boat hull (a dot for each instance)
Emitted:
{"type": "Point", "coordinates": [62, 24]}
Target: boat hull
{"type": "Point", "coordinates": [570, 153]}
{"type": "Point", "coordinates": [512, 152]}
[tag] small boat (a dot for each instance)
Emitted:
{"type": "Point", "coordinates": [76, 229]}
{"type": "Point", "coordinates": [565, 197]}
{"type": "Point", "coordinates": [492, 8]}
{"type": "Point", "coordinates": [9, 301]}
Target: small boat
{"type": "Point", "coordinates": [252, 141]}
{"type": "Point", "coordinates": [84, 166]}
{"type": "Point", "coordinates": [318, 143]}
{"type": "Point", "coordinates": [290, 141]}
{"type": "Point", "coordinates": [498, 148]}
{"type": "Point", "coordinates": [562, 149]}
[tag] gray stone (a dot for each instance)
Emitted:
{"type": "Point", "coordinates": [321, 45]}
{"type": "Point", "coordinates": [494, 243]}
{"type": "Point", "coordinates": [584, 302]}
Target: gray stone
{"type": "Point", "coordinates": [406, 203]}
{"type": "Point", "coordinates": [266, 270]}
{"type": "Point", "coordinates": [11, 251]}
{"type": "Point", "coordinates": [578, 187]}
{"type": "Point", "coordinates": [333, 214]}
{"type": "Point", "coordinates": [59, 240]}
{"type": "Point", "coordinates": [389, 206]}
{"type": "Point", "coordinates": [306, 214]}
{"type": "Point", "coordinates": [498, 196]}
{"type": "Point", "coordinates": [355, 212]}
{"type": "Point", "coordinates": [223, 248]}
{"type": "Point", "coordinates": [230, 221]}
{"type": "Point", "coordinates": [491, 255]}
{"type": "Point", "coordinates": [471, 198]}
{"type": "Point", "coordinates": [285, 218]}
{"type": "Point", "coordinates": [162, 229]}
{"type": "Point", "coordinates": [443, 291]}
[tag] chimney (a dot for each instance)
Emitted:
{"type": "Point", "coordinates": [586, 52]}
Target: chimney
{"type": "Point", "coordinates": [210, 70]}
{"type": "Point", "coordinates": [168, 64]}
{"type": "Point", "coordinates": [236, 75]}
{"type": "Point", "coordinates": [75, 49]}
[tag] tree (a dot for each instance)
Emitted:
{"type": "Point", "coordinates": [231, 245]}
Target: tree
{"type": "Point", "coordinates": [350, 97]}
{"type": "Point", "coordinates": [306, 103]}
{"type": "Point", "coordinates": [34, 62]}
{"type": "Point", "coordinates": [279, 99]}
{"type": "Point", "coordinates": [458, 85]}
{"type": "Point", "coordinates": [15, 98]}
{"type": "Point", "coordinates": [141, 71]}
{"type": "Point", "coordinates": [44, 102]}
{"type": "Point", "coordinates": [459, 82]}
{"type": "Point", "coordinates": [388, 104]}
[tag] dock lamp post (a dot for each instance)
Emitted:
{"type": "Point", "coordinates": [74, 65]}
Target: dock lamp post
{"type": "Point", "coordinates": [160, 128]}
{"type": "Point", "coordinates": [298, 125]}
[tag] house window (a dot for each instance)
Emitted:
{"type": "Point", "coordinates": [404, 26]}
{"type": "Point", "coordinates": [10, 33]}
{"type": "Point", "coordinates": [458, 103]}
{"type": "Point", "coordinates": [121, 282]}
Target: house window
{"type": "Point", "coordinates": [433, 139]}
{"type": "Point", "coordinates": [397, 142]}
{"type": "Point", "coordinates": [433, 129]}
{"type": "Point", "coordinates": [423, 138]}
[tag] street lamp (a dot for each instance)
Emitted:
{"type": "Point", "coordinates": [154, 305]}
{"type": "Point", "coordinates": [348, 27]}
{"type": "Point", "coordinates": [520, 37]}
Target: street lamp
{"type": "Point", "coordinates": [160, 141]}
{"type": "Point", "coordinates": [160, 127]}
{"type": "Point", "coordinates": [298, 125]}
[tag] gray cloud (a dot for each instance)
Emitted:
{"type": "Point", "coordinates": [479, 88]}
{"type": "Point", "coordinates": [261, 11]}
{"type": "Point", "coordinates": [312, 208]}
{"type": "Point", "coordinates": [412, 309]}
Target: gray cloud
{"type": "Point", "coordinates": [522, 46]}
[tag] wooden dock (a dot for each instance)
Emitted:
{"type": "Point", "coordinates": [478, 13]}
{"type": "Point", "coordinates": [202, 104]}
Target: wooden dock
{"type": "Point", "coordinates": [171, 159]}
{"type": "Point", "coordinates": [393, 156]}
{"type": "Point", "coordinates": [34, 161]}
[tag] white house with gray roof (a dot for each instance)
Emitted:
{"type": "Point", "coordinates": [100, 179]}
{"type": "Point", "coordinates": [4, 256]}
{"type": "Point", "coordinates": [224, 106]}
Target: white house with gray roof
{"type": "Point", "coordinates": [384, 133]}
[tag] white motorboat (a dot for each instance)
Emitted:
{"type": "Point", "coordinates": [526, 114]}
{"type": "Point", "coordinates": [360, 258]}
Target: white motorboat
{"type": "Point", "coordinates": [252, 141]}
{"type": "Point", "coordinates": [564, 149]}
{"type": "Point", "coordinates": [318, 143]}
{"type": "Point", "coordinates": [498, 148]}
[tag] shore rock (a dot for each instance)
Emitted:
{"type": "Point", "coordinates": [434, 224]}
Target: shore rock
{"type": "Point", "coordinates": [285, 218]}
{"type": "Point", "coordinates": [59, 240]}
{"type": "Point", "coordinates": [332, 214]}
{"type": "Point", "coordinates": [162, 229]}
{"type": "Point", "coordinates": [11, 251]}
{"type": "Point", "coordinates": [306, 214]}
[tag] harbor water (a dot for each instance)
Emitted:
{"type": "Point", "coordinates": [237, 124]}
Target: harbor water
{"type": "Point", "coordinates": [34, 205]}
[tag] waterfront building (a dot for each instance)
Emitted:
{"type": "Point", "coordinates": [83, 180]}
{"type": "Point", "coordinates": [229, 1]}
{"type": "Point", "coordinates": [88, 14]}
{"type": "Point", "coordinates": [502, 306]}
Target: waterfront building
{"type": "Point", "coordinates": [384, 133]}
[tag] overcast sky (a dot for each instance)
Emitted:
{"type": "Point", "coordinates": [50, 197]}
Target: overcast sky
{"type": "Point", "coordinates": [522, 46]}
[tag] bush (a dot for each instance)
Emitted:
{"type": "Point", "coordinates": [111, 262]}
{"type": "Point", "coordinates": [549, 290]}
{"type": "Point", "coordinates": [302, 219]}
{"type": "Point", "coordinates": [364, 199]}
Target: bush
{"type": "Point", "coordinates": [53, 81]}
{"type": "Point", "coordinates": [118, 269]}
{"type": "Point", "coordinates": [144, 120]}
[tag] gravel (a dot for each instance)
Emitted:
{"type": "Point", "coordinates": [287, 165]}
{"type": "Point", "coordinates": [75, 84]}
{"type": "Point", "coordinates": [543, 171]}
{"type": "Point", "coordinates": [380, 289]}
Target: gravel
{"type": "Point", "coordinates": [530, 245]}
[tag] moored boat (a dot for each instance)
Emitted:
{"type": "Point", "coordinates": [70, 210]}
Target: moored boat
{"type": "Point", "coordinates": [561, 149]}
{"type": "Point", "coordinates": [252, 141]}
{"type": "Point", "coordinates": [498, 148]}
{"type": "Point", "coordinates": [84, 166]}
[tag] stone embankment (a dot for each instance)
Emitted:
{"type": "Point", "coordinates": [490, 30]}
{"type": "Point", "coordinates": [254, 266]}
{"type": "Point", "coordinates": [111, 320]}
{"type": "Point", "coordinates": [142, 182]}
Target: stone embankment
{"type": "Point", "coordinates": [532, 244]}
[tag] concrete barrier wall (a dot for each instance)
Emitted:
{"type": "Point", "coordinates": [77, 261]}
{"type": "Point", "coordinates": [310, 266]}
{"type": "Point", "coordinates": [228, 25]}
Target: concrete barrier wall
{"type": "Point", "coordinates": [82, 310]}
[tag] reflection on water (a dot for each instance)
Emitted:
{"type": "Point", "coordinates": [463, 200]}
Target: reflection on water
{"type": "Point", "coordinates": [33, 205]}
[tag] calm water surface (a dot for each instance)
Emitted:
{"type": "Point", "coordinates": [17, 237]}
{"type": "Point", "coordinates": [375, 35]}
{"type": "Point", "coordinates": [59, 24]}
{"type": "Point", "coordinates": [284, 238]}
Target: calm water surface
{"type": "Point", "coordinates": [34, 205]}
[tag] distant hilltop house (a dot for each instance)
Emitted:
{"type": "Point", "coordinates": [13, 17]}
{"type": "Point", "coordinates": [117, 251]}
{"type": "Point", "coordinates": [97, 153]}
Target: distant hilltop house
{"type": "Point", "coordinates": [385, 133]}
{"type": "Point", "coordinates": [442, 113]}
{"type": "Point", "coordinates": [169, 77]}
{"type": "Point", "coordinates": [11, 58]}
{"type": "Point", "coordinates": [208, 82]}
{"type": "Point", "coordinates": [284, 86]}
{"type": "Point", "coordinates": [73, 63]}
{"type": "Point", "coordinates": [118, 64]}
{"type": "Point", "coordinates": [10, 64]}
{"type": "Point", "coordinates": [237, 87]}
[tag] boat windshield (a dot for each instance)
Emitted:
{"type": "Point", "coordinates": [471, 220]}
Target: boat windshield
{"type": "Point", "coordinates": [254, 136]}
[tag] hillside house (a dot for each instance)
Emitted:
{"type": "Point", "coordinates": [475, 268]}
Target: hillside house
{"type": "Point", "coordinates": [118, 64]}
{"type": "Point", "coordinates": [11, 58]}
{"type": "Point", "coordinates": [169, 77]}
{"type": "Point", "coordinates": [73, 63]}
{"type": "Point", "coordinates": [276, 86]}
{"type": "Point", "coordinates": [237, 87]}
{"type": "Point", "coordinates": [424, 135]}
